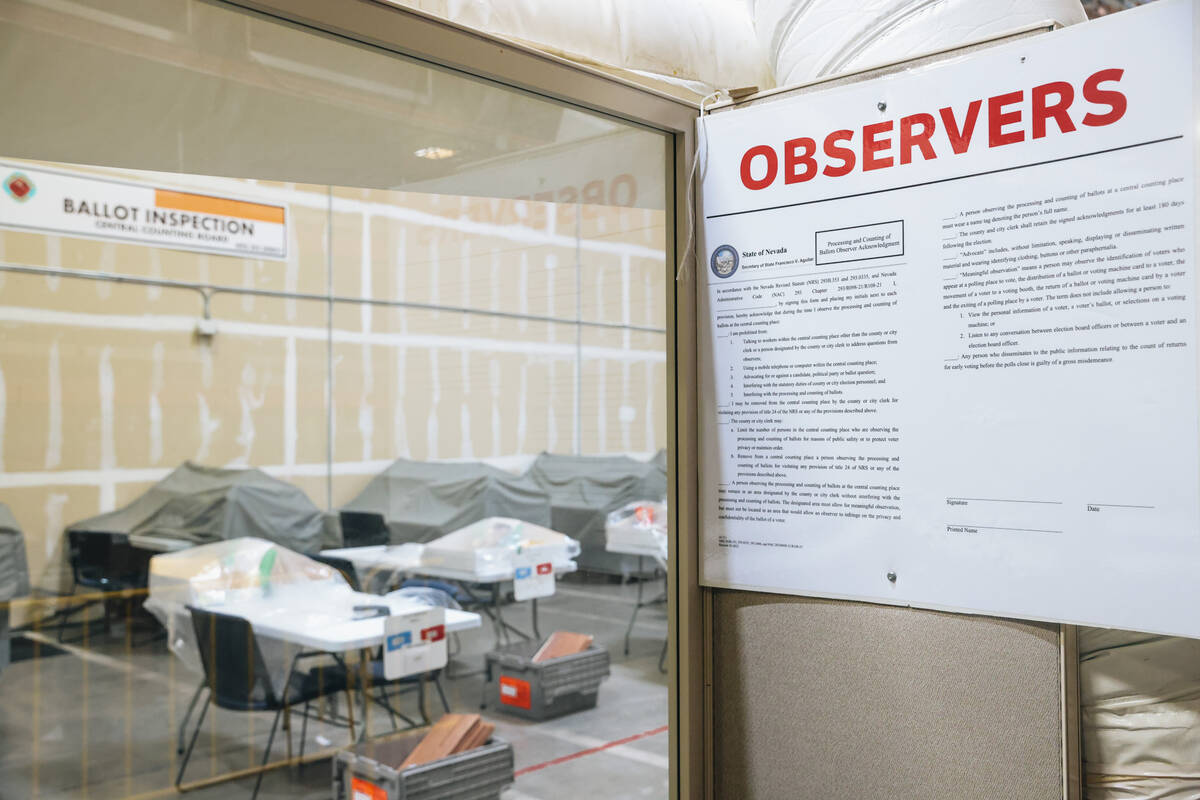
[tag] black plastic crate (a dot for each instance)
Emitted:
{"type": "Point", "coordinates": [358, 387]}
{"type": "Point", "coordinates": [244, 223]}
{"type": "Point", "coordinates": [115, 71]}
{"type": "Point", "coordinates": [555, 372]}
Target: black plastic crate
{"type": "Point", "coordinates": [479, 774]}
{"type": "Point", "coordinates": [517, 686]}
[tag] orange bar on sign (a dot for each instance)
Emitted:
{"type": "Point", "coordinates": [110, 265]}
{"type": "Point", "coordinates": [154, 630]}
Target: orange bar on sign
{"type": "Point", "coordinates": [204, 204]}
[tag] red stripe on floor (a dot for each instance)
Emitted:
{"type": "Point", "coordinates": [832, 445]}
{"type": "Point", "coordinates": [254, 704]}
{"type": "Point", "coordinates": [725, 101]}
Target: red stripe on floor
{"type": "Point", "coordinates": [590, 751]}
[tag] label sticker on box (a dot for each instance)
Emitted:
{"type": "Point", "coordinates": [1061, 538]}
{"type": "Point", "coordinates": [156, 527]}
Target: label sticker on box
{"type": "Point", "coordinates": [515, 692]}
{"type": "Point", "coordinates": [365, 790]}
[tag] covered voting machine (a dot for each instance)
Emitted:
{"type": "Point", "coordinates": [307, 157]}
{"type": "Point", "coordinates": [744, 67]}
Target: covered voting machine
{"type": "Point", "coordinates": [488, 549]}
{"type": "Point", "coordinates": [422, 500]}
{"type": "Point", "coordinates": [14, 573]}
{"type": "Point", "coordinates": [208, 504]}
{"type": "Point", "coordinates": [584, 490]}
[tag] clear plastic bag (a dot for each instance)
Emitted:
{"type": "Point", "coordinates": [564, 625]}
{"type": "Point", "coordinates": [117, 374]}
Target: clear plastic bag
{"type": "Point", "coordinates": [639, 528]}
{"type": "Point", "coordinates": [486, 548]}
{"type": "Point", "coordinates": [234, 575]}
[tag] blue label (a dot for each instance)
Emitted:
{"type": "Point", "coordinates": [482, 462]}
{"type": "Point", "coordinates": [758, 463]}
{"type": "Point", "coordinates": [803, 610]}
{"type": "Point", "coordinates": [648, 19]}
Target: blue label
{"type": "Point", "coordinates": [523, 572]}
{"type": "Point", "coordinates": [399, 640]}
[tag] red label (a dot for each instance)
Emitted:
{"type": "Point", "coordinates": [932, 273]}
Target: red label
{"type": "Point", "coordinates": [644, 514]}
{"type": "Point", "coordinates": [18, 187]}
{"type": "Point", "coordinates": [514, 692]}
{"type": "Point", "coordinates": [365, 790]}
{"type": "Point", "coordinates": [434, 634]}
{"type": "Point", "coordinates": [545, 569]}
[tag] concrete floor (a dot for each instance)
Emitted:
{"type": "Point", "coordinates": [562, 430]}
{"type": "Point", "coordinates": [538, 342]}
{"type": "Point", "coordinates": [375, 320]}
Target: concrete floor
{"type": "Point", "coordinates": [100, 722]}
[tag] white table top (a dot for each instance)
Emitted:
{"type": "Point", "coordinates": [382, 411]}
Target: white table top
{"type": "Point", "coordinates": [159, 544]}
{"type": "Point", "coordinates": [330, 626]}
{"type": "Point", "coordinates": [390, 557]}
{"type": "Point", "coordinates": [631, 549]}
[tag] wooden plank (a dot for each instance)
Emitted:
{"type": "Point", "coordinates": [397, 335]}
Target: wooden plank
{"type": "Point", "coordinates": [562, 643]}
{"type": "Point", "coordinates": [478, 737]}
{"type": "Point", "coordinates": [443, 739]}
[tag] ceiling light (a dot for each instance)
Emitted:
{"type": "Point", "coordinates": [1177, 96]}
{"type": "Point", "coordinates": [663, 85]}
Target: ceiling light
{"type": "Point", "coordinates": [434, 153]}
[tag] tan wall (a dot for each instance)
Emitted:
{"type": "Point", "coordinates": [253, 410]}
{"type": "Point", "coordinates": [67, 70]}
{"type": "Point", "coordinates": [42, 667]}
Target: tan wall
{"type": "Point", "coordinates": [104, 387]}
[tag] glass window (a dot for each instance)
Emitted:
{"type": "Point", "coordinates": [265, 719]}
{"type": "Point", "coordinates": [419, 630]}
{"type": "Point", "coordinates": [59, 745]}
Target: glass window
{"type": "Point", "coordinates": [267, 294]}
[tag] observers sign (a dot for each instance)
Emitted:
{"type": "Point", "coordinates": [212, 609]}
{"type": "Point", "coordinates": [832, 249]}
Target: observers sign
{"type": "Point", "coordinates": [948, 333]}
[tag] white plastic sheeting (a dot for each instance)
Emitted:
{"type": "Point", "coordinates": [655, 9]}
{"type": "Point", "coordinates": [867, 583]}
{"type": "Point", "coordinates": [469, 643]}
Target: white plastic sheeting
{"type": "Point", "coordinates": [640, 528]}
{"type": "Point", "coordinates": [1140, 697]}
{"type": "Point", "coordinates": [692, 44]}
{"type": "Point", "coordinates": [485, 549]}
{"type": "Point", "coordinates": [238, 574]}
{"type": "Point", "coordinates": [698, 45]}
{"type": "Point", "coordinates": [809, 39]}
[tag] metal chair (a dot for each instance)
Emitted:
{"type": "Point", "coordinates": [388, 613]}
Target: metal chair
{"type": "Point", "coordinates": [342, 565]}
{"type": "Point", "coordinates": [105, 563]}
{"type": "Point", "coordinates": [237, 680]}
{"type": "Point", "coordinates": [364, 529]}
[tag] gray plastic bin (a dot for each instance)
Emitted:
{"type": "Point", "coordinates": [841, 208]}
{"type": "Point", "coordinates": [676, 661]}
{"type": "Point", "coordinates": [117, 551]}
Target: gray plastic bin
{"type": "Point", "coordinates": [479, 774]}
{"type": "Point", "coordinates": [515, 685]}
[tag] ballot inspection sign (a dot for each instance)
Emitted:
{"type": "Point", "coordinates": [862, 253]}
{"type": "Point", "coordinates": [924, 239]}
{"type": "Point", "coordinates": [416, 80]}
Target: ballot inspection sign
{"type": "Point", "coordinates": [948, 333]}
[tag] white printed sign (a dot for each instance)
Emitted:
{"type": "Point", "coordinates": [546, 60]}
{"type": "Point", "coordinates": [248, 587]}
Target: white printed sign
{"type": "Point", "coordinates": [533, 572]}
{"type": "Point", "coordinates": [414, 643]}
{"type": "Point", "coordinates": [948, 333]}
{"type": "Point", "coordinates": [76, 204]}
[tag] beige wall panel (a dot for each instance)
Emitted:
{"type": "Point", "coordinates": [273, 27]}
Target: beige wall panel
{"type": "Point", "coordinates": [604, 396]}
{"type": "Point", "coordinates": [478, 391]}
{"type": "Point", "coordinates": [362, 375]}
{"type": "Point", "coordinates": [647, 305]}
{"type": "Point", "coordinates": [25, 361]}
{"type": "Point", "coordinates": [510, 405]}
{"type": "Point", "coordinates": [346, 251]}
{"type": "Point", "coordinates": [448, 409]}
{"type": "Point", "coordinates": [312, 434]}
{"type": "Point", "coordinates": [311, 485]}
{"type": "Point", "coordinates": [242, 387]}
{"type": "Point", "coordinates": [124, 493]}
{"type": "Point", "coordinates": [418, 402]}
{"type": "Point", "coordinates": [601, 288]}
{"type": "Point", "coordinates": [19, 247]}
{"type": "Point", "coordinates": [550, 425]}
{"type": "Point", "coordinates": [42, 511]}
{"type": "Point", "coordinates": [347, 487]}
{"type": "Point", "coordinates": [308, 229]}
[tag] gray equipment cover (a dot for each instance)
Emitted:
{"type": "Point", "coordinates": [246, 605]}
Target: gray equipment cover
{"type": "Point", "coordinates": [424, 500]}
{"type": "Point", "coordinates": [209, 504]}
{"type": "Point", "coordinates": [14, 573]}
{"type": "Point", "coordinates": [584, 489]}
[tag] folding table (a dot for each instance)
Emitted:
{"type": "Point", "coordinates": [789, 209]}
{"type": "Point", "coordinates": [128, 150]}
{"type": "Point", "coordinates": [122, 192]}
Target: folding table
{"type": "Point", "coordinates": [331, 627]}
{"type": "Point", "coordinates": [400, 560]}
